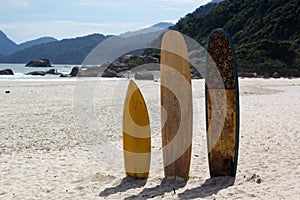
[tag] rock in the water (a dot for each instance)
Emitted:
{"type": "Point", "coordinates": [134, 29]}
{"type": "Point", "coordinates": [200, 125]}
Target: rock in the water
{"type": "Point", "coordinates": [37, 73]}
{"type": "Point", "coordinates": [65, 75]}
{"type": "Point", "coordinates": [74, 71]}
{"type": "Point", "coordinates": [44, 62]}
{"type": "Point", "coordinates": [51, 71]}
{"type": "Point", "coordinates": [6, 72]}
{"type": "Point", "coordinates": [43, 73]}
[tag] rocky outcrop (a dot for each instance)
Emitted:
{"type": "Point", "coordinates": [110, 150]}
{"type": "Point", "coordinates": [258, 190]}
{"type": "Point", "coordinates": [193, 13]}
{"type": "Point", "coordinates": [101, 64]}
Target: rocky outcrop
{"type": "Point", "coordinates": [6, 72]}
{"type": "Point", "coordinates": [93, 71]}
{"type": "Point", "coordinates": [118, 67]}
{"type": "Point", "coordinates": [44, 62]}
{"type": "Point", "coordinates": [74, 71]}
{"type": "Point", "coordinates": [114, 69]}
{"type": "Point", "coordinates": [52, 71]}
{"type": "Point", "coordinates": [109, 73]}
{"type": "Point", "coordinates": [43, 73]}
{"type": "Point", "coordinates": [125, 58]}
{"type": "Point", "coordinates": [148, 68]}
{"type": "Point", "coordinates": [37, 73]}
{"type": "Point", "coordinates": [150, 59]}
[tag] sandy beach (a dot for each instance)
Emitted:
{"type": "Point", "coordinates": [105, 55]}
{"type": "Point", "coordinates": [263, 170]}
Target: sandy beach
{"type": "Point", "coordinates": [63, 140]}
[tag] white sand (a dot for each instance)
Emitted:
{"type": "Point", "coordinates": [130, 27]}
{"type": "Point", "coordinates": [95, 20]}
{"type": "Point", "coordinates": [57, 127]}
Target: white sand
{"type": "Point", "coordinates": [56, 144]}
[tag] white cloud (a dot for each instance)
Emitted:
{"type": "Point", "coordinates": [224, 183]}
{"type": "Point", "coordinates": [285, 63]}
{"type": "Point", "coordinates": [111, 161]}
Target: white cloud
{"type": "Point", "coordinates": [20, 3]}
{"type": "Point", "coordinates": [6, 4]}
{"type": "Point", "coordinates": [183, 6]}
{"type": "Point", "coordinates": [63, 19]}
{"type": "Point", "coordinates": [21, 32]}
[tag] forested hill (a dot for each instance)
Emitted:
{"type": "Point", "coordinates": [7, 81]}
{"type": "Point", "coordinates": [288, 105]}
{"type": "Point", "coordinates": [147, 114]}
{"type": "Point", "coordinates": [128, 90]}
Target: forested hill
{"type": "Point", "coordinates": [266, 33]}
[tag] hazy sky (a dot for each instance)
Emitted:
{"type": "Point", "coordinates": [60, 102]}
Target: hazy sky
{"type": "Point", "coordinates": [24, 20]}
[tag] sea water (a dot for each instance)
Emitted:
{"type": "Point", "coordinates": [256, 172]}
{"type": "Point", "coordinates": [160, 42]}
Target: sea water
{"type": "Point", "coordinates": [20, 72]}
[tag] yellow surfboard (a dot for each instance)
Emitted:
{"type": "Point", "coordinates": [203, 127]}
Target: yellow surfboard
{"type": "Point", "coordinates": [176, 106]}
{"type": "Point", "coordinates": [136, 134]}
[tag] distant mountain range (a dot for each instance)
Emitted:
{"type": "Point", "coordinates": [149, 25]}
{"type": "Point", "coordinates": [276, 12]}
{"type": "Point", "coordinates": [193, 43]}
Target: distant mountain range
{"type": "Point", "coordinates": [8, 46]}
{"type": "Point", "coordinates": [155, 27]}
{"type": "Point", "coordinates": [67, 51]}
{"type": "Point", "coordinates": [163, 25]}
{"type": "Point", "coordinates": [35, 42]}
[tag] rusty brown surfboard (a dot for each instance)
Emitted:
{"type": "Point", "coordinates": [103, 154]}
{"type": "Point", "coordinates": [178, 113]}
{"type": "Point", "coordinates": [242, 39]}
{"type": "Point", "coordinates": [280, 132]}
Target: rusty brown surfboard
{"type": "Point", "coordinates": [222, 105]}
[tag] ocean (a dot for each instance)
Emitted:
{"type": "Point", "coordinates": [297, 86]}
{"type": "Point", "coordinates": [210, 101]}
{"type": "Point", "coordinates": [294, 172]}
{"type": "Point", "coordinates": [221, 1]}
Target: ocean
{"type": "Point", "coordinates": [20, 73]}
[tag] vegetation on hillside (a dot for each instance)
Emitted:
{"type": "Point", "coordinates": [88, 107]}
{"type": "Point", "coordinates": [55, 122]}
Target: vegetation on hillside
{"type": "Point", "coordinates": [266, 33]}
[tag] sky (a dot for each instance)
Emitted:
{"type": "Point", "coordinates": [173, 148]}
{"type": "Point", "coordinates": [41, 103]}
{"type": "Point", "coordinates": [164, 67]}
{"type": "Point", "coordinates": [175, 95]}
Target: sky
{"type": "Point", "coordinates": [23, 20]}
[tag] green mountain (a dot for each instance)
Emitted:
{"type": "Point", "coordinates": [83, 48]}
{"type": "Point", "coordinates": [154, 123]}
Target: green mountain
{"type": "Point", "coordinates": [67, 51]}
{"type": "Point", "coordinates": [266, 33]}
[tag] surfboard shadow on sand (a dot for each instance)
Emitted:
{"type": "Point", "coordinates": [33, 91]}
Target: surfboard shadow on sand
{"type": "Point", "coordinates": [208, 188]}
{"type": "Point", "coordinates": [167, 185]}
{"type": "Point", "coordinates": [126, 184]}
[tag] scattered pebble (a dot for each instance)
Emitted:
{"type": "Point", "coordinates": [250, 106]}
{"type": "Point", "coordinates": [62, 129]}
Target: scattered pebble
{"type": "Point", "coordinates": [258, 180]}
{"type": "Point", "coordinates": [255, 178]}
